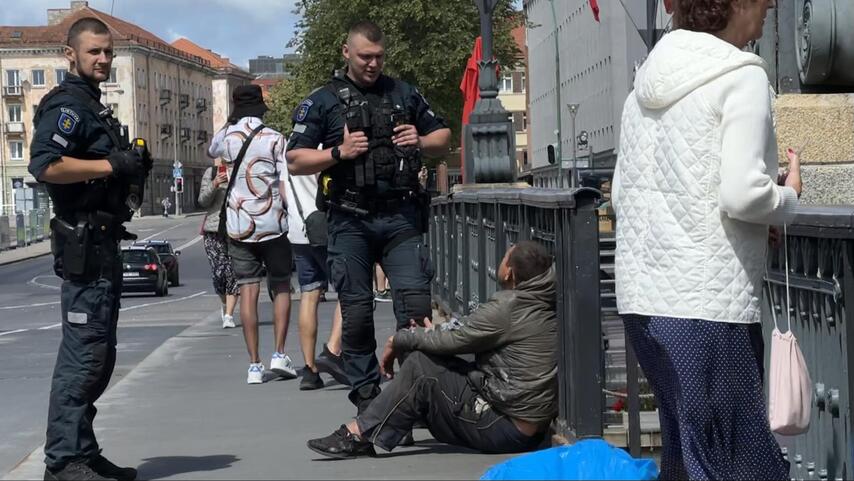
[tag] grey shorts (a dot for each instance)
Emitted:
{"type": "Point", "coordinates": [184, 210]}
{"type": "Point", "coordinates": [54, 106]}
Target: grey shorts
{"type": "Point", "coordinates": [252, 261]}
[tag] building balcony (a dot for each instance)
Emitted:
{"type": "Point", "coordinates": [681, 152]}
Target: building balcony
{"type": "Point", "coordinates": [201, 137]}
{"type": "Point", "coordinates": [15, 128]}
{"type": "Point", "coordinates": [183, 101]}
{"type": "Point", "coordinates": [165, 96]}
{"type": "Point", "coordinates": [185, 134]}
{"type": "Point", "coordinates": [13, 91]}
{"type": "Point", "coordinates": [201, 105]}
{"type": "Point", "coordinates": [165, 131]}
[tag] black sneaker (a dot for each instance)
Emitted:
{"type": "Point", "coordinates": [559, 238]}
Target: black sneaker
{"type": "Point", "coordinates": [310, 380]}
{"type": "Point", "coordinates": [104, 467]}
{"type": "Point", "coordinates": [75, 472]}
{"type": "Point", "coordinates": [342, 444]}
{"type": "Point", "coordinates": [332, 365]}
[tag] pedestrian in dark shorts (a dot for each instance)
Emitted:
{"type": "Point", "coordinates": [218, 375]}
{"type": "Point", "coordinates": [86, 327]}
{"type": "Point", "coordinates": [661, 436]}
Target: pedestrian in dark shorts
{"type": "Point", "coordinates": [312, 270]}
{"type": "Point", "coordinates": [256, 222]}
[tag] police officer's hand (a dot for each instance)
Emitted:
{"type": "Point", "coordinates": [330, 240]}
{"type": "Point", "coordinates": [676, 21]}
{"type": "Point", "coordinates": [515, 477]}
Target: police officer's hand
{"type": "Point", "coordinates": [406, 135]}
{"type": "Point", "coordinates": [127, 163]}
{"type": "Point", "coordinates": [354, 145]}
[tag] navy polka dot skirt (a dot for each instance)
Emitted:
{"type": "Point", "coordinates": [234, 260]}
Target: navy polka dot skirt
{"type": "Point", "coordinates": [707, 379]}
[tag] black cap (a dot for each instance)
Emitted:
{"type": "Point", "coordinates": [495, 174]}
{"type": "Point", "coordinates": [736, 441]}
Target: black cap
{"type": "Point", "coordinates": [248, 102]}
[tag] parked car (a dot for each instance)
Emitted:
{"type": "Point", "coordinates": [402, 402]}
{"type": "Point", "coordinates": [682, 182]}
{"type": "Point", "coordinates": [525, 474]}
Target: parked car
{"type": "Point", "coordinates": [168, 256]}
{"type": "Point", "coordinates": [142, 270]}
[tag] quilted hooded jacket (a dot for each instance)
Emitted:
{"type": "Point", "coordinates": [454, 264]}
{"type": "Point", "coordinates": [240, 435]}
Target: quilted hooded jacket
{"type": "Point", "coordinates": [514, 339]}
{"type": "Point", "coordinates": [695, 189]}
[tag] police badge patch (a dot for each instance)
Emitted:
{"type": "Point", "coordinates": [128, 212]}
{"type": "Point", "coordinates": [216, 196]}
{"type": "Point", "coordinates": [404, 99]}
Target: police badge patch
{"type": "Point", "coordinates": [68, 120]}
{"type": "Point", "coordinates": [302, 110]}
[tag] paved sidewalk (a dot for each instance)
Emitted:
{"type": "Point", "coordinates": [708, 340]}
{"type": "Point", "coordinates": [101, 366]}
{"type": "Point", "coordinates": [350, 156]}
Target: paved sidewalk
{"type": "Point", "coordinates": [186, 412]}
{"type": "Point", "coordinates": [23, 253]}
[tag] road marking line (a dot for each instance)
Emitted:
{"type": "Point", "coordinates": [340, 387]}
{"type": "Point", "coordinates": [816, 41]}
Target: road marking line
{"type": "Point", "coordinates": [162, 232]}
{"type": "Point", "coordinates": [13, 332]}
{"type": "Point", "coordinates": [50, 326]}
{"type": "Point", "coordinates": [130, 308]}
{"type": "Point", "coordinates": [190, 244]}
{"type": "Point", "coordinates": [34, 282]}
{"type": "Point", "coordinates": [40, 304]}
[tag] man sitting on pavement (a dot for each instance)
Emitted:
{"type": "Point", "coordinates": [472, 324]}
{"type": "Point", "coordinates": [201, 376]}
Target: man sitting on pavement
{"type": "Point", "coordinates": [501, 403]}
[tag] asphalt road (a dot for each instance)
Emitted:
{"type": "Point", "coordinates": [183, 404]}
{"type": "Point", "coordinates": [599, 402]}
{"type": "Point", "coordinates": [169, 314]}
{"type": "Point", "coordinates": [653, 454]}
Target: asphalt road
{"type": "Point", "coordinates": [30, 329]}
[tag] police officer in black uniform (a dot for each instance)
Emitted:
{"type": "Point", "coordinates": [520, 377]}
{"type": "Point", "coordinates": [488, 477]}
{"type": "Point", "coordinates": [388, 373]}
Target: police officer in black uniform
{"type": "Point", "coordinates": [373, 129]}
{"type": "Point", "coordinates": [94, 177]}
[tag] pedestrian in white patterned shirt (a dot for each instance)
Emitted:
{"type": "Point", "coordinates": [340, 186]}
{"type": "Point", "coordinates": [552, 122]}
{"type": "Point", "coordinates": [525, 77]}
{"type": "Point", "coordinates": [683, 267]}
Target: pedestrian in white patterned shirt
{"type": "Point", "coordinates": [256, 222]}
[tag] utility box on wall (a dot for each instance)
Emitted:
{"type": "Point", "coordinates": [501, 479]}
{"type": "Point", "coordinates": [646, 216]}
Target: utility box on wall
{"type": "Point", "coordinates": [809, 46]}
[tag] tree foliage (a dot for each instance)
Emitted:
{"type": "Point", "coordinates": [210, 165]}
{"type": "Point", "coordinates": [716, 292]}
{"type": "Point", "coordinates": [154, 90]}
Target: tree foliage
{"type": "Point", "coordinates": [428, 43]}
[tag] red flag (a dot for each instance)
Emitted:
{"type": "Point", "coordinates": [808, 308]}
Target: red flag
{"type": "Point", "coordinates": [469, 86]}
{"type": "Point", "coordinates": [594, 5]}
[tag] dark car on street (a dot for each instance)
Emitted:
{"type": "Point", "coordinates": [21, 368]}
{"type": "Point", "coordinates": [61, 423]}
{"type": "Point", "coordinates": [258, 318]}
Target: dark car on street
{"type": "Point", "coordinates": [168, 256]}
{"type": "Point", "coordinates": [142, 270]}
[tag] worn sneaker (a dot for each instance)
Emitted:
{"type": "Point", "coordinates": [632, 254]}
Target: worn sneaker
{"type": "Point", "coordinates": [104, 467]}
{"type": "Point", "coordinates": [332, 365]}
{"type": "Point", "coordinates": [255, 374]}
{"type": "Point", "coordinates": [383, 296]}
{"type": "Point", "coordinates": [282, 365]}
{"type": "Point", "coordinates": [227, 321]}
{"type": "Point", "coordinates": [74, 472]}
{"type": "Point", "coordinates": [342, 444]}
{"type": "Point", "coordinates": [310, 380]}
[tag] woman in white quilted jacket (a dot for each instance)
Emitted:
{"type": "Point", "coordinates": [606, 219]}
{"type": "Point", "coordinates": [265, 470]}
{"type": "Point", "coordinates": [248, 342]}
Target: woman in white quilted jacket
{"type": "Point", "coordinates": [695, 190]}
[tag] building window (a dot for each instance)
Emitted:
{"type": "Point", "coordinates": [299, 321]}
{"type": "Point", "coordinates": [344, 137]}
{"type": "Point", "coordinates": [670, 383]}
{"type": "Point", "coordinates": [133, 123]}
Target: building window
{"type": "Point", "coordinates": [14, 111]}
{"type": "Point", "coordinates": [506, 84]}
{"type": "Point", "coordinates": [16, 150]}
{"type": "Point", "coordinates": [113, 76]}
{"type": "Point", "coordinates": [13, 78]}
{"type": "Point", "coordinates": [115, 109]}
{"type": "Point", "coordinates": [140, 78]}
{"type": "Point", "coordinates": [523, 81]}
{"type": "Point", "coordinates": [38, 78]}
{"type": "Point", "coordinates": [60, 75]}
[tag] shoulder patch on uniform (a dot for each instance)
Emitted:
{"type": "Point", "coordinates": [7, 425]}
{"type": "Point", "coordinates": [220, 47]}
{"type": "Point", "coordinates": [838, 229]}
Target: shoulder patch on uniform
{"type": "Point", "coordinates": [302, 110]}
{"type": "Point", "coordinates": [60, 140]}
{"type": "Point", "coordinates": [299, 128]}
{"type": "Point", "coordinates": [68, 120]}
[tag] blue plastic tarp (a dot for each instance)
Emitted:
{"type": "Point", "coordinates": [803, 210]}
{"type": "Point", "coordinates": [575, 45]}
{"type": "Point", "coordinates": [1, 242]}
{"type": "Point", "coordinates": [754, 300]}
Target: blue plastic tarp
{"type": "Point", "coordinates": [592, 459]}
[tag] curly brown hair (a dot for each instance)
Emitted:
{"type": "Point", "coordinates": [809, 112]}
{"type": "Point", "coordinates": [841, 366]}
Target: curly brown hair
{"type": "Point", "coordinates": [702, 15]}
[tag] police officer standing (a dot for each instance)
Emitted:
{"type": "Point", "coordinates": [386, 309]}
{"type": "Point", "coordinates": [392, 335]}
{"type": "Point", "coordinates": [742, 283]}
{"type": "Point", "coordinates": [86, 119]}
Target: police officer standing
{"type": "Point", "coordinates": [373, 129]}
{"type": "Point", "coordinates": [94, 179]}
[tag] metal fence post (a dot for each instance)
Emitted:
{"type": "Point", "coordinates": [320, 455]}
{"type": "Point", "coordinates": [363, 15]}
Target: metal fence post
{"type": "Point", "coordinates": [587, 371]}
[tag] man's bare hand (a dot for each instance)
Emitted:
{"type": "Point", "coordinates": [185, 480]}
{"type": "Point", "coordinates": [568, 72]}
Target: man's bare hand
{"type": "Point", "coordinates": [387, 361]}
{"type": "Point", "coordinates": [354, 145]}
{"type": "Point", "coordinates": [406, 135]}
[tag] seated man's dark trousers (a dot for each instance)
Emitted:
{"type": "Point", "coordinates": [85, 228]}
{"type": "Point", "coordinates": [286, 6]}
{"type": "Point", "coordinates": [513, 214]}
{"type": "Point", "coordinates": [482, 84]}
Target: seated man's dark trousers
{"type": "Point", "coordinates": [437, 391]}
{"type": "Point", "coordinates": [87, 356]}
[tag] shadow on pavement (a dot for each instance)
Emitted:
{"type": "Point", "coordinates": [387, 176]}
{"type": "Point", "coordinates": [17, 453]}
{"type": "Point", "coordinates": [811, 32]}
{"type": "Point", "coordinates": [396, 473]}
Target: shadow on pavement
{"type": "Point", "coordinates": [165, 466]}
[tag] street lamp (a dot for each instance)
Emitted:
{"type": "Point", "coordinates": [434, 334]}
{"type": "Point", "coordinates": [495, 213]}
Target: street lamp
{"type": "Point", "coordinates": [489, 137]}
{"type": "Point", "coordinates": [573, 111]}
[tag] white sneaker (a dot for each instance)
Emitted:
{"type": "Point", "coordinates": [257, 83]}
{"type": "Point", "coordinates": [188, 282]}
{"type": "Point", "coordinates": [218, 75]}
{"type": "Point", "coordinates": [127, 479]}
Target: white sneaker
{"type": "Point", "coordinates": [282, 365]}
{"type": "Point", "coordinates": [227, 321]}
{"type": "Point", "coordinates": [255, 374]}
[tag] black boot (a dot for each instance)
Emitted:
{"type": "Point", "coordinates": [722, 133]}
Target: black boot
{"type": "Point", "coordinates": [104, 467]}
{"type": "Point", "coordinates": [75, 472]}
{"type": "Point", "coordinates": [342, 444]}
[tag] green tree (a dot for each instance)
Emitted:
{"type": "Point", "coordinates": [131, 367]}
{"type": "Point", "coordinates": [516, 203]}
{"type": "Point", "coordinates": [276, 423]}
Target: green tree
{"type": "Point", "coordinates": [428, 43]}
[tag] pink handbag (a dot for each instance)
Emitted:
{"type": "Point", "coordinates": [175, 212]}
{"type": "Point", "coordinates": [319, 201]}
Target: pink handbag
{"type": "Point", "coordinates": [790, 387]}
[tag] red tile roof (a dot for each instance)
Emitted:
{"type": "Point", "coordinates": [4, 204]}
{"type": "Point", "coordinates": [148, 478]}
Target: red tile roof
{"type": "Point", "coordinates": [217, 61]}
{"type": "Point", "coordinates": [123, 33]}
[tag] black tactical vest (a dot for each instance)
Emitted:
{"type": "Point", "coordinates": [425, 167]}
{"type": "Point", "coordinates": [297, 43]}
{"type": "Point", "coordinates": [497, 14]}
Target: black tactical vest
{"type": "Point", "coordinates": [385, 168]}
{"type": "Point", "coordinates": [106, 194]}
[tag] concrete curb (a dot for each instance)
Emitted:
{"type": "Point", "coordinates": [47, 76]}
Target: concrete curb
{"type": "Point", "coordinates": [43, 250]}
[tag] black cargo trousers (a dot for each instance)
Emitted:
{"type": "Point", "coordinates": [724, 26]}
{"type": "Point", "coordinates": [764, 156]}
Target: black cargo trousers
{"type": "Point", "coordinates": [355, 243]}
{"type": "Point", "coordinates": [87, 356]}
